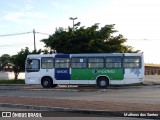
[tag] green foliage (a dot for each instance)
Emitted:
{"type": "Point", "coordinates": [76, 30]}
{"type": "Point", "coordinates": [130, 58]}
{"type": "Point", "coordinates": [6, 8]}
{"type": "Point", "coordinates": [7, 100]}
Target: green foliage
{"type": "Point", "coordinates": [88, 40]}
{"type": "Point", "coordinates": [18, 60]}
{"type": "Point", "coordinates": [4, 61]}
{"type": "Point", "coordinates": [12, 81]}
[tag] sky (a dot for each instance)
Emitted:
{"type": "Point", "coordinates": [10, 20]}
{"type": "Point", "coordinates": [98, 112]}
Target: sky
{"type": "Point", "coordinates": [136, 20]}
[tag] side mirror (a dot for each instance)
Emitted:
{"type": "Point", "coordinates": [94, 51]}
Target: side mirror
{"type": "Point", "coordinates": [29, 61]}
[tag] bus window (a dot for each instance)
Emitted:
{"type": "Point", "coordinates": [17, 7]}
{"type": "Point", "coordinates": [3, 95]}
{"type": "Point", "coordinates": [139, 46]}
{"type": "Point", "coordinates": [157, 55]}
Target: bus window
{"type": "Point", "coordinates": [113, 62]}
{"type": "Point", "coordinates": [62, 62]}
{"type": "Point", "coordinates": [33, 65]}
{"type": "Point", "coordinates": [47, 63]}
{"type": "Point", "coordinates": [95, 62]}
{"type": "Point", "coordinates": [132, 62]}
{"type": "Point", "coordinates": [79, 62]}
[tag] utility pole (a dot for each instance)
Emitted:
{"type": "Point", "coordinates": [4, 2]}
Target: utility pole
{"type": "Point", "coordinates": [73, 21]}
{"type": "Point", "coordinates": [34, 39]}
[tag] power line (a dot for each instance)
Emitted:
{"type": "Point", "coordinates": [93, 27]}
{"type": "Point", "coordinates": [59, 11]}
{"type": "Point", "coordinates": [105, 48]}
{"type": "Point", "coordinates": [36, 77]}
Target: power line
{"type": "Point", "coordinates": [34, 32]}
{"type": "Point", "coordinates": [150, 39]}
{"type": "Point", "coordinates": [43, 33]}
{"type": "Point", "coordinates": [12, 34]}
{"type": "Point", "coordinates": [3, 46]}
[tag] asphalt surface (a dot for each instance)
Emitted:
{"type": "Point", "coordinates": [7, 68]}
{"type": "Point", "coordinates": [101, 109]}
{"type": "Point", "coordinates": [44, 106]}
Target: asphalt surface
{"type": "Point", "coordinates": [134, 94]}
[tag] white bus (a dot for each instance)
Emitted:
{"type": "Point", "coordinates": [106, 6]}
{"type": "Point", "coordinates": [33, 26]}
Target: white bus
{"type": "Point", "coordinates": [102, 70]}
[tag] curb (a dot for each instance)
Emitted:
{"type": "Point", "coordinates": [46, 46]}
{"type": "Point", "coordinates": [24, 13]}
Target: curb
{"type": "Point", "coordinates": [14, 85]}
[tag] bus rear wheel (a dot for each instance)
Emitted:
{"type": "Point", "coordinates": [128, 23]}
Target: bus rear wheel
{"type": "Point", "coordinates": [102, 82]}
{"type": "Point", "coordinates": [47, 82]}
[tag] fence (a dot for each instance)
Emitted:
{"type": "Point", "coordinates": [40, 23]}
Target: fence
{"type": "Point", "coordinates": [10, 75]}
{"type": "Point", "coordinates": [155, 79]}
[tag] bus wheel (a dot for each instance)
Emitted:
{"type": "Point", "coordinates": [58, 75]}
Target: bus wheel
{"type": "Point", "coordinates": [102, 82]}
{"type": "Point", "coordinates": [46, 82]}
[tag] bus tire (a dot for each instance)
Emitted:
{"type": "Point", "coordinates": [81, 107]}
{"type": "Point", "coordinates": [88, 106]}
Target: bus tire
{"type": "Point", "coordinates": [47, 82]}
{"type": "Point", "coordinates": [102, 82]}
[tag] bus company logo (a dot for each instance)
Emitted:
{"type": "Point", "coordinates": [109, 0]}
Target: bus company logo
{"type": "Point", "coordinates": [62, 71]}
{"type": "Point", "coordinates": [135, 71]}
{"type": "Point", "coordinates": [6, 114]}
{"type": "Point", "coordinates": [107, 71]}
{"type": "Point", "coordinates": [21, 114]}
{"type": "Point", "coordinates": [95, 71]}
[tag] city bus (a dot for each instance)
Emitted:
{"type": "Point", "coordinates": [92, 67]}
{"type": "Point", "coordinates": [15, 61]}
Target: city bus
{"type": "Point", "coordinates": [101, 69]}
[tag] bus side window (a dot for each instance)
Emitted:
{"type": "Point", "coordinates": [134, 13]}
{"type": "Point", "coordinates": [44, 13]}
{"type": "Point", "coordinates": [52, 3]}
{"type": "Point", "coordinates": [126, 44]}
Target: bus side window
{"type": "Point", "coordinates": [33, 65]}
{"type": "Point", "coordinates": [47, 63]}
{"type": "Point", "coordinates": [95, 62]}
{"type": "Point", "coordinates": [132, 62]}
{"type": "Point", "coordinates": [62, 62]}
{"type": "Point", "coordinates": [79, 62]}
{"type": "Point", "coordinates": [29, 63]}
{"type": "Point", "coordinates": [113, 62]}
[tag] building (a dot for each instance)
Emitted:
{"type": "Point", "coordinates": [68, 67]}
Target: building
{"type": "Point", "coordinates": [152, 69]}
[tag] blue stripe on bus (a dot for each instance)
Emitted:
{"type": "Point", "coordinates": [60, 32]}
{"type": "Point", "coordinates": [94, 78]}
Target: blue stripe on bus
{"type": "Point", "coordinates": [62, 73]}
{"type": "Point", "coordinates": [62, 56]}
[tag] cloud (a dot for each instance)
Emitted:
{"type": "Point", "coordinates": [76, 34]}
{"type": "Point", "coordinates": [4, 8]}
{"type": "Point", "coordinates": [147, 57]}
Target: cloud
{"type": "Point", "coordinates": [22, 13]}
{"type": "Point", "coordinates": [28, 7]}
{"type": "Point", "coordinates": [3, 26]}
{"type": "Point", "coordinates": [24, 17]}
{"type": "Point", "coordinates": [61, 6]}
{"type": "Point", "coordinates": [21, 6]}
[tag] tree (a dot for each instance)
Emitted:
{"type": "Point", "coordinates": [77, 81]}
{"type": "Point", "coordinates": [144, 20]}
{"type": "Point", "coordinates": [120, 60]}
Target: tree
{"type": "Point", "coordinates": [4, 61]}
{"type": "Point", "coordinates": [18, 60]}
{"type": "Point", "coordinates": [88, 40]}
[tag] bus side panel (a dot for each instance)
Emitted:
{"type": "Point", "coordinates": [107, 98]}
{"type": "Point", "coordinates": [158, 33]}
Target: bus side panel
{"type": "Point", "coordinates": [92, 74]}
{"type": "Point", "coordinates": [62, 73]}
{"type": "Point", "coordinates": [32, 78]}
{"type": "Point", "coordinates": [134, 75]}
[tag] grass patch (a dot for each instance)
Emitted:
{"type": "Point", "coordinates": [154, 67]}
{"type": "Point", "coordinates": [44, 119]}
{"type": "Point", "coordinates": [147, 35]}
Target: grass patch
{"type": "Point", "coordinates": [19, 81]}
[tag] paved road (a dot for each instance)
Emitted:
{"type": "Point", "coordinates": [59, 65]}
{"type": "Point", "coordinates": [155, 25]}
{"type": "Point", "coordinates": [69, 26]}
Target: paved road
{"type": "Point", "coordinates": [133, 94]}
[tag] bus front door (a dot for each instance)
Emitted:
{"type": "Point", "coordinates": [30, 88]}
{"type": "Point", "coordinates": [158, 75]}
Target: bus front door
{"type": "Point", "coordinates": [32, 72]}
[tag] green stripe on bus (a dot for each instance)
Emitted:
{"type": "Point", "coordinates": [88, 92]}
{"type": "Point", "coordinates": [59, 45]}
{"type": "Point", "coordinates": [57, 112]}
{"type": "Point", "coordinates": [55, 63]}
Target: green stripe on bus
{"type": "Point", "coordinates": [92, 74]}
